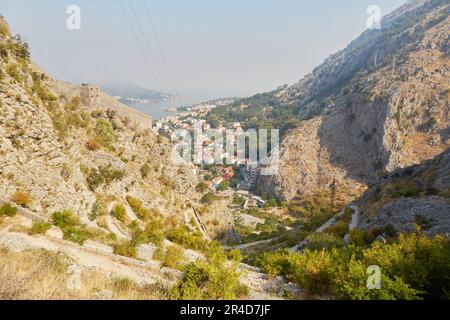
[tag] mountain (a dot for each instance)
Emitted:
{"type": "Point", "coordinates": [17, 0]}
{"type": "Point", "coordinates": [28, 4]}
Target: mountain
{"type": "Point", "coordinates": [416, 196]}
{"type": "Point", "coordinates": [379, 105]}
{"type": "Point", "coordinates": [130, 94]}
{"type": "Point", "coordinates": [90, 198]}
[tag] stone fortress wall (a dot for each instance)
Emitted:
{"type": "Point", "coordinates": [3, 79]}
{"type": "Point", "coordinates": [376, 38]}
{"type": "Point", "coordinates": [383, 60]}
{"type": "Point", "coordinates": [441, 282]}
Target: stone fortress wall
{"type": "Point", "coordinates": [94, 98]}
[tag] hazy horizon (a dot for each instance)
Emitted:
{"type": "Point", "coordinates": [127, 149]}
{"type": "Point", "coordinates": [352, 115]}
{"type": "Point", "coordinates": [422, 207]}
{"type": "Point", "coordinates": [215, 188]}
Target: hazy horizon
{"type": "Point", "coordinates": [225, 48]}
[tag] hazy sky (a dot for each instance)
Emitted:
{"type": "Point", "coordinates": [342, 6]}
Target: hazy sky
{"type": "Point", "coordinates": [221, 47]}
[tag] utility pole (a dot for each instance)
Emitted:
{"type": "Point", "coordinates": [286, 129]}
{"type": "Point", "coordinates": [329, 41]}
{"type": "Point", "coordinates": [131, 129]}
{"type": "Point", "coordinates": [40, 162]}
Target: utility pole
{"type": "Point", "coordinates": [333, 193]}
{"type": "Point", "coordinates": [393, 66]}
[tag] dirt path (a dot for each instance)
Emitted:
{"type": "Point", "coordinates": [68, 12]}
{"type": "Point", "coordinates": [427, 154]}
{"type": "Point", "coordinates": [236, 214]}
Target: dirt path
{"type": "Point", "coordinates": [355, 218]}
{"type": "Point", "coordinates": [353, 224]}
{"type": "Point", "coordinates": [88, 257]}
{"type": "Point", "coordinates": [200, 225]}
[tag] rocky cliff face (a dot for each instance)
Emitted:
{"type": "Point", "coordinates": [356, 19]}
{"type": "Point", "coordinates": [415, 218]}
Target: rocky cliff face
{"type": "Point", "coordinates": [410, 198]}
{"type": "Point", "coordinates": [380, 104]}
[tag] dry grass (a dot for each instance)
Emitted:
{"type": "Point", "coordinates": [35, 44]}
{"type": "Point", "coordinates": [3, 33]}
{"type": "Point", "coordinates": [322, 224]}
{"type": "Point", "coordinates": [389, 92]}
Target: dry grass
{"type": "Point", "coordinates": [40, 274]}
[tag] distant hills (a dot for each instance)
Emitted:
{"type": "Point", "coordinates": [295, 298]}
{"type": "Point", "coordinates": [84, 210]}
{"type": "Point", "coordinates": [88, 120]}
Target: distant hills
{"type": "Point", "coordinates": [135, 94]}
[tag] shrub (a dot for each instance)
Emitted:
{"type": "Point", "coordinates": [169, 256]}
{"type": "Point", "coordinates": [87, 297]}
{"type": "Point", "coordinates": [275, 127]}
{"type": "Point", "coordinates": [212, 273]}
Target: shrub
{"type": "Point", "coordinates": [407, 189]}
{"type": "Point", "coordinates": [173, 257]}
{"type": "Point", "coordinates": [125, 249]}
{"type": "Point", "coordinates": [98, 210]}
{"type": "Point", "coordinates": [348, 213]}
{"type": "Point", "coordinates": [8, 210]}
{"type": "Point", "coordinates": [201, 187]}
{"type": "Point", "coordinates": [208, 198]}
{"type": "Point", "coordinates": [319, 241]}
{"type": "Point", "coordinates": [19, 48]}
{"type": "Point", "coordinates": [153, 233]}
{"type": "Point", "coordinates": [119, 213]}
{"type": "Point", "coordinates": [105, 132]}
{"type": "Point", "coordinates": [76, 234]}
{"type": "Point", "coordinates": [138, 208]}
{"type": "Point", "coordinates": [445, 193]}
{"type": "Point", "coordinates": [340, 229]}
{"type": "Point", "coordinates": [238, 200]}
{"type": "Point", "coordinates": [187, 239]}
{"type": "Point", "coordinates": [13, 71]}
{"type": "Point", "coordinates": [224, 185]}
{"type": "Point", "coordinates": [210, 280]}
{"type": "Point", "coordinates": [70, 226]}
{"type": "Point", "coordinates": [145, 170]}
{"type": "Point", "coordinates": [21, 198]}
{"type": "Point", "coordinates": [235, 255]}
{"type": "Point", "coordinates": [104, 175]}
{"type": "Point", "coordinates": [40, 227]}
{"type": "Point", "coordinates": [92, 144]}
{"type": "Point", "coordinates": [357, 237]}
{"type": "Point", "coordinates": [413, 267]}
{"type": "Point", "coordinates": [63, 219]}
{"type": "Point", "coordinates": [4, 31]}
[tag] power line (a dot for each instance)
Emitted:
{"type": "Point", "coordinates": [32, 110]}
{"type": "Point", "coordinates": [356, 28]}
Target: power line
{"type": "Point", "coordinates": [139, 45]}
{"type": "Point", "coordinates": [160, 47]}
{"type": "Point", "coordinates": [147, 43]}
{"type": "Point", "coordinates": [167, 40]}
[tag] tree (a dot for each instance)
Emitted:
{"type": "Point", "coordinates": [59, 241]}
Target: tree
{"type": "Point", "coordinates": [224, 185]}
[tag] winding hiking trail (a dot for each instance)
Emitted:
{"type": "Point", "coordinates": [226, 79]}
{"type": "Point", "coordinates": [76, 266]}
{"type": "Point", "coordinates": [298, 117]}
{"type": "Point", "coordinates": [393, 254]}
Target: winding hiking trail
{"type": "Point", "coordinates": [353, 224]}
{"type": "Point", "coordinates": [200, 225]}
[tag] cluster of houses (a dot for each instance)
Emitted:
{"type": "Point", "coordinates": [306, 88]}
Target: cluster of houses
{"type": "Point", "coordinates": [224, 174]}
{"type": "Point", "coordinates": [188, 119]}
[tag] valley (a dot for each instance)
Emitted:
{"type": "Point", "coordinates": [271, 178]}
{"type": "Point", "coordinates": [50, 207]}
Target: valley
{"type": "Point", "coordinates": [93, 205]}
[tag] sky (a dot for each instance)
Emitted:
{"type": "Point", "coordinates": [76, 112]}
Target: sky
{"type": "Point", "coordinates": [196, 47]}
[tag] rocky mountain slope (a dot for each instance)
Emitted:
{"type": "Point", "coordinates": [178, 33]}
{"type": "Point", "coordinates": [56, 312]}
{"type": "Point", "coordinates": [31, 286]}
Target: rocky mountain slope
{"type": "Point", "coordinates": [381, 104]}
{"type": "Point", "coordinates": [97, 186]}
{"type": "Point", "coordinates": [410, 198]}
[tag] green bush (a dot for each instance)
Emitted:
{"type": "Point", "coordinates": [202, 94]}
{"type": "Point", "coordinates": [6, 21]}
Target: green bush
{"type": "Point", "coordinates": [235, 255]}
{"type": "Point", "coordinates": [127, 249]}
{"type": "Point", "coordinates": [40, 227]}
{"type": "Point", "coordinates": [4, 31]}
{"type": "Point", "coordinates": [105, 132]}
{"type": "Point", "coordinates": [19, 48]}
{"type": "Point", "coordinates": [319, 241]}
{"type": "Point", "coordinates": [98, 210]}
{"type": "Point", "coordinates": [8, 210]}
{"type": "Point", "coordinates": [138, 208]}
{"type": "Point", "coordinates": [173, 258]}
{"type": "Point", "coordinates": [70, 226]}
{"type": "Point", "coordinates": [201, 187]}
{"type": "Point", "coordinates": [210, 280]}
{"type": "Point", "coordinates": [413, 267]}
{"type": "Point", "coordinates": [340, 229]}
{"type": "Point", "coordinates": [14, 72]}
{"type": "Point", "coordinates": [187, 239]}
{"type": "Point", "coordinates": [103, 176]}
{"type": "Point", "coordinates": [407, 189]}
{"type": "Point", "coordinates": [153, 233]}
{"type": "Point", "coordinates": [145, 170]}
{"type": "Point", "coordinates": [119, 213]}
{"type": "Point", "coordinates": [208, 198]}
{"type": "Point", "coordinates": [64, 219]}
{"type": "Point", "coordinates": [224, 185]}
{"type": "Point", "coordinates": [238, 200]}
{"type": "Point", "coordinates": [76, 234]}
